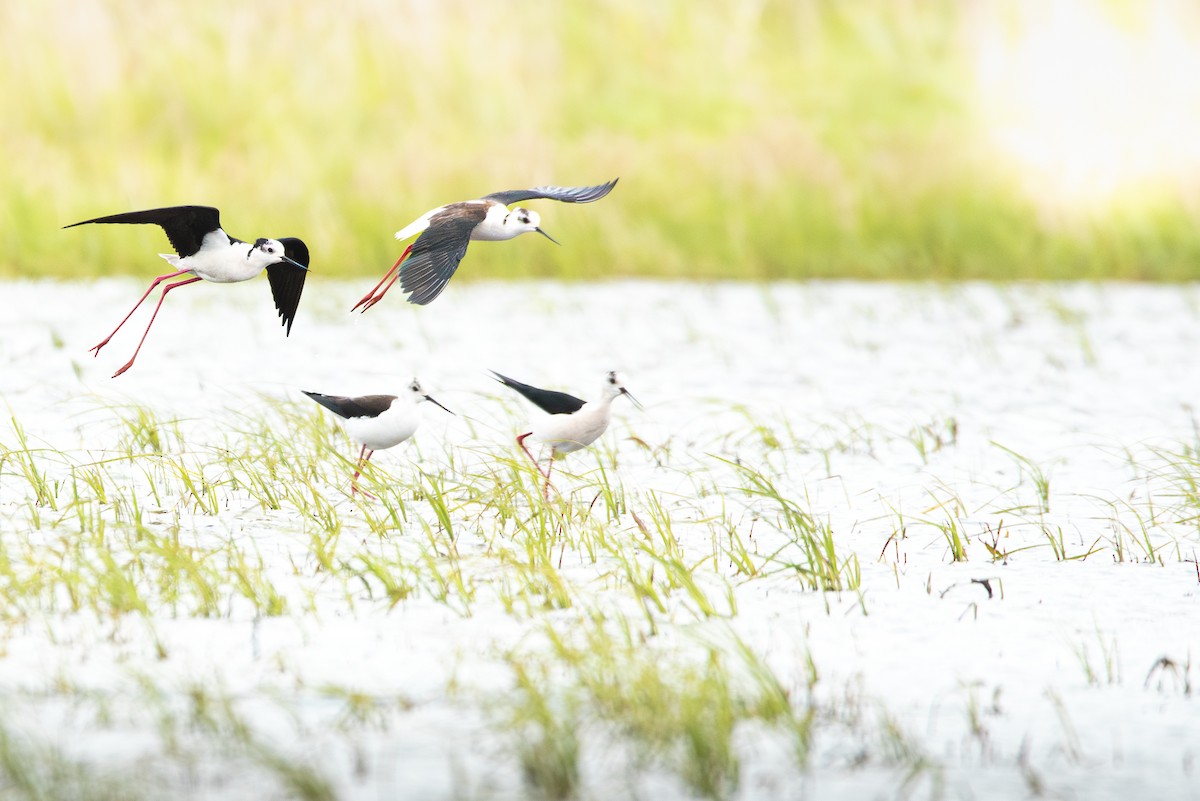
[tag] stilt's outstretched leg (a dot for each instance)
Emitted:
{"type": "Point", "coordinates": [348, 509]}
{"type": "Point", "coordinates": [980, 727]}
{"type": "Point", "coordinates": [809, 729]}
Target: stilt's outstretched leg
{"type": "Point", "coordinates": [379, 297]}
{"type": "Point", "coordinates": [549, 467]}
{"type": "Point", "coordinates": [521, 442]}
{"type": "Point", "coordinates": [169, 287]}
{"type": "Point", "coordinates": [364, 456]}
{"type": "Point", "coordinates": [96, 350]}
{"type": "Point", "coordinates": [362, 452]}
{"type": "Point", "coordinates": [371, 298]}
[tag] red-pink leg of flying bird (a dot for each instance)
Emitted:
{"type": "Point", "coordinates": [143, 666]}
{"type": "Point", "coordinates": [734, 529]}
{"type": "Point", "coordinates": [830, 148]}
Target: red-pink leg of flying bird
{"type": "Point", "coordinates": [379, 297]}
{"type": "Point", "coordinates": [394, 273]}
{"type": "Point", "coordinates": [154, 283]}
{"type": "Point", "coordinates": [364, 456]}
{"type": "Point", "coordinates": [367, 298]}
{"type": "Point", "coordinates": [370, 299]}
{"type": "Point", "coordinates": [129, 363]}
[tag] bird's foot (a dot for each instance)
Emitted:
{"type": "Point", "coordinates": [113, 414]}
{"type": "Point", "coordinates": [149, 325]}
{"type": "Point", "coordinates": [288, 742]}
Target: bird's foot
{"type": "Point", "coordinates": [367, 303]}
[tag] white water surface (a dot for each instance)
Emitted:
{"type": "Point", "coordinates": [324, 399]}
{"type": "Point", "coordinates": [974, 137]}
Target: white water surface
{"type": "Point", "coordinates": [889, 409]}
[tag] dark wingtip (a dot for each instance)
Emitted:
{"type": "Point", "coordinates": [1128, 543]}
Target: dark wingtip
{"type": "Point", "coordinates": [295, 249]}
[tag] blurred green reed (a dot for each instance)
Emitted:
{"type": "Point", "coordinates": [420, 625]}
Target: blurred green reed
{"type": "Point", "coordinates": [754, 139]}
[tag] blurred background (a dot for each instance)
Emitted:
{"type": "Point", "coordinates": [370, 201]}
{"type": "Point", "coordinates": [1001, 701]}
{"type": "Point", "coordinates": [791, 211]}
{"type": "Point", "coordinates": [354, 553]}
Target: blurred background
{"type": "Point", "coordinates": [754, 139]}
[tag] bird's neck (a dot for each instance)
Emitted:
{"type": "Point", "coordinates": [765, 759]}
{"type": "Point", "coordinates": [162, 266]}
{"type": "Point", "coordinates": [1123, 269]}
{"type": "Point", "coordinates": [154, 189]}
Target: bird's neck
{"type": "Point", "coordinates": [604, 402]}
{"type": "Point", "coordinates": [496, 225]}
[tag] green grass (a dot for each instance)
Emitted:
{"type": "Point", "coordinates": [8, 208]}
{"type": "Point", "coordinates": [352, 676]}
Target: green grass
{"type": "Point", "coordinates": [680, 712]}
{"type": "Point", "coordinates": [754, 141]}
{"type": "Point", "coordinates": [205, 726]}
{"type": "Point", "coordinates": [625, 642]}
{"type": "Point", "coordinates": [141, 529]}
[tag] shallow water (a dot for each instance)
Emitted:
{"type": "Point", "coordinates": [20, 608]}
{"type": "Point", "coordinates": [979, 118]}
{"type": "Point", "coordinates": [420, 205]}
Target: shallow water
{"type": "Point", "coordinates": [895, 413]}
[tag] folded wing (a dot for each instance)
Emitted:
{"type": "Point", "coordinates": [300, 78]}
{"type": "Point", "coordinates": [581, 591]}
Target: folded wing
{"type": "Point", "coordinates": [547, 400]}
{"type": "Point", "coordinates": [362, 406]}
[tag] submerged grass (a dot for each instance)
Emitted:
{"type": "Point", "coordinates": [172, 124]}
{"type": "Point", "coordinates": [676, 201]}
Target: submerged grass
{"type": "Point", "coordinates": [777, 139]}
{"type": "Point", "coordinates": [815, 558]}
{"type": "Point", "coordinates": [625, 597]}
{"type": "Point", "coordinates": [680, 710]}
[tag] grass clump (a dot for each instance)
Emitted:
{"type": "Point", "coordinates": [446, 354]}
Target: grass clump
{"type": "Point", "coordinates": [814, 556]}
{"type": "Point", "coordinates": [679, 710]}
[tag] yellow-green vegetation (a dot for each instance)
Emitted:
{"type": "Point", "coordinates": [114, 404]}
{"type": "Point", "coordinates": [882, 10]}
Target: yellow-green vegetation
{"type": "Point", "coordinates": [612, 610]}
{"type": "Point", "coordinates": [754, 140]}
{"type": "Point", "coordinates": [128, 535]}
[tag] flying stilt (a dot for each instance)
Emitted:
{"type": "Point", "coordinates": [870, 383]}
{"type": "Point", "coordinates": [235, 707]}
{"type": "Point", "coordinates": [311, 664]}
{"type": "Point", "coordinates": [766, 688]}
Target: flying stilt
{"type": "Point", "coordinates": [204, 251]}
{"type": "Point", "coordinates": [427, 264]}
{"type": "Point", "coordinates": [377, 422]}
{"type": "Point", "coordinates": [572, 424]}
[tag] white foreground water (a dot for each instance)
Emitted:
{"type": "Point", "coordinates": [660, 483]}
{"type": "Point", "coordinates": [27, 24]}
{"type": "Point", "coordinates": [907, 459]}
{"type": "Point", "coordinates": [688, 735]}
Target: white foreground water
{"type": "Point", "coordinates": [1048, 430]}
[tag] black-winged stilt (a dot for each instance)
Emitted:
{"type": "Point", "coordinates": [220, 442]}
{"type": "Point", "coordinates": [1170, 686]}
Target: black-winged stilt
{"type": "Point", "coordinates": [377, 422]}
{"type": "Point", "coordinates": [573, 424]}
{"type": "Point", "coordinates": [446, 231]}
{"type": "Point", "coordinates": [207, 252]}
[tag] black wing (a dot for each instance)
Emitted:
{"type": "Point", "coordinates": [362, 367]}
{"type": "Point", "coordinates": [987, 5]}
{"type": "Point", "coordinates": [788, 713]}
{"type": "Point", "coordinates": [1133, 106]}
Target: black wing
{"type": "Point", "coordinates": [567, 194]}
{"type": "Point", "coordinates": [186, 226]}
{"type": "Point", "coordinates": [438, 250]}
{"type": "Point", "coordinates": [362, 406]}
{"type": "Point", "coordinates": [547, 400]}
{"type": "Point", "coordinates": [287, 280]}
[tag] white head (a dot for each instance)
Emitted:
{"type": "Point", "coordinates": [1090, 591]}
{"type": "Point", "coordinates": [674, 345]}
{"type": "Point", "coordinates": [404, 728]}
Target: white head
{"type": "Point", "coordinates": [266, 252]}
{"type": "Point", "coordinates": [614, 387]}
{"type": "Point", "coordinates": [417, 394]}
{"type": "Point", "coordinates": [525, 221]}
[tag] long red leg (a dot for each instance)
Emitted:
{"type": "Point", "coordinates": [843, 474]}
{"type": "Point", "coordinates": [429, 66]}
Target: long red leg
{"type": "Point", "coordinates": [154, 283]}
{"type": "Point", "coordinates": [370, 299]}
{"type": "Point", "coordinates": [367, 297]}
{"type": "Point", "coordinates": [546, 472]}
{"type": "Point", "coordinates": [549, 467]}
{"type": "Point", "coordinates": [362, 461]}
{"type": "Point", "coordinates": [129, 363]}
{"type": "Point", "coordinates": [395, 273]}
{"type": "Point", "coordinates": [521, 442]}
{"type": "Point", "coordinates": [379, 297]}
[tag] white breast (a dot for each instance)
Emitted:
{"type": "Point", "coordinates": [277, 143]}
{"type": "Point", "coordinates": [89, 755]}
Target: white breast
{"type": "Point", "coordinates": [494, 228]}
{"type": "Point", "coordinates": [571, 432]}
{"type": "Point", "coordinates": [391, 428]}
{"type": "Point", "coordinates": [220, 260]}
